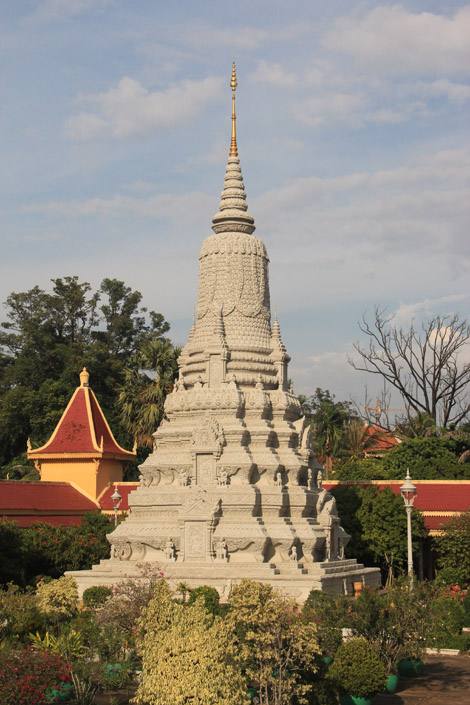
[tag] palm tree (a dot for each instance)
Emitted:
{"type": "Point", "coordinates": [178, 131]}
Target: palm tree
{"type": "Point", "coordinates": [329, 432]}
{"type": "Point", "coordinates": [147, 381]}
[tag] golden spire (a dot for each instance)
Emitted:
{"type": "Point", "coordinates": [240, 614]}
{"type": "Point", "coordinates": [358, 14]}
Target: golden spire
{"type": "Point", "coordinates": [233, 85]}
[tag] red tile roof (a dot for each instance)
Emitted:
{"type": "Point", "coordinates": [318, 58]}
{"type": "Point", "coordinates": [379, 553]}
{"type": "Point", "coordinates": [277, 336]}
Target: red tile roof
{"type": "Point", "coordinates": [57, 503]}
{"type": "Point", "coordinates": [434, 497]}
{"type": "Point", "coordinates": [43, 496]}
{"type": "Point", "coordinates": [25, 521]}
{"type": "Point", "coordinates": [124, 489]}
{"type": "Point", "coordinates": [82, 429]}
{"type": "Point", "coordinates": [382, 439]}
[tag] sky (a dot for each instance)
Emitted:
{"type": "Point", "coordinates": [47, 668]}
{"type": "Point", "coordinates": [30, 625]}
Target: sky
{"type": "Point", "coordinates": [353, 136]}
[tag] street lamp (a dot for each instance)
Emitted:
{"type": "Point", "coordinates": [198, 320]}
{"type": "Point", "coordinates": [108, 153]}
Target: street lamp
{"type": "Point", "coordinates": [117, 499]}
{"type": "Point", "coordinates": [408, 492]}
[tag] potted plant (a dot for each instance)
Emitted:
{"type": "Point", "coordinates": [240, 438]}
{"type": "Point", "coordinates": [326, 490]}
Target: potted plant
{"type": "Point", "coordinates": [357, 672]}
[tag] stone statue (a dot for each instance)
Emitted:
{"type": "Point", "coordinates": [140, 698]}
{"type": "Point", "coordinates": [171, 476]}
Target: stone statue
{"type": "Point", "coordinates": [170, 550]}
{"type": "Point", "coordinates": [221, 550]}
{"type": "Point", "coordinates": [222, 478]}
{"type": "Point", "coordinates": [310, 483]}
{"type": "Point", "coordinates": [341, 548]}
{"type": "Point", "coordinates": [183, 477]}
{"type": "Point", "coordinates": [278, 479]}
{"type": "Point", "coordinates": [319, 479]}
{"type": "Point", "coordinates": [293, 553]}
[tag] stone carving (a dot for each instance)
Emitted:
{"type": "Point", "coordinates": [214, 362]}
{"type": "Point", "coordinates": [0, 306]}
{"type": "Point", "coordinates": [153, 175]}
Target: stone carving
{"type": "Point", "coordinates": [170, 550]}
{"type": "Point", "coordinates": [222, 477]}
{"type": "Point", "coordinates": [221, 550]}
{"type": "Point", "coordinates": [122, 550]}
{"type": "Point", "coordinates": [319, 479]}
{"type": "Point", "coordinates": [208, 435]}
{"type": "Point", "coordinates": [293, 553]}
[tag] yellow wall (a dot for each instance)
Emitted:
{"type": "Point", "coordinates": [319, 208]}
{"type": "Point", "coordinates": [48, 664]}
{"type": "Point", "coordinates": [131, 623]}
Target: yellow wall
{"type": "Point", "coordinates": [90, 475]}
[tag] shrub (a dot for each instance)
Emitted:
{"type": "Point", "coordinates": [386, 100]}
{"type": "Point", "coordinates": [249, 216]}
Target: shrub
{"type": "Point", "coordinates": [466, 606]}
{"type": "Point", "coordinates": [187, 656]}
{"type": "Point", "coordinates": [26, 675]}
{"type": "Point", "coordinates": [321, 609]}
{"type": "Point", "coordinates": [58, 598]}
{"type": "Point", "coordinates": [96, 595]}
{"type": "Point", "coordinates": [19, 613]}
{"type": "Point", "coordinates": [447, 618]}
{"type": "Point", "coordinates": [277, 647]}
{"type": "Point", "coordinates": [210, 598]}
{"type": "Point", "coordinates": [357, 670]}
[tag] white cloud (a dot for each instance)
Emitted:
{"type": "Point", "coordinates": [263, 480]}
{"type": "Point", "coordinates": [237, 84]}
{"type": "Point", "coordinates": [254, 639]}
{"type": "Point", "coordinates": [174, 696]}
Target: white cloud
{"type": "Point", "coordinates": [393, 40]}
{"type": "Point", "coordinates": [42, 237]}
{"type": "Point", "coordinates": [405, 313]}
{"type": "Point", "coordinates": [456, 92]}
{"type": "Point", "coordinates": [130, 109]}
{"type": "Point", "coordinates": [62, 9]}
{"type": "Point", "coordinates": [333, 107]}
{"type": "Point", "coordinates": [274, 74]}
{"type": "Point", "coordinates": [182, 208]}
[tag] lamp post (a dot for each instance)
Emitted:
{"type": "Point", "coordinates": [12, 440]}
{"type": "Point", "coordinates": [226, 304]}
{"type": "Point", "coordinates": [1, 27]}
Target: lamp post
{"type": "Point", "coordinates": [408, 492]}
{"type": "Point", "coordinates": [117, 499]}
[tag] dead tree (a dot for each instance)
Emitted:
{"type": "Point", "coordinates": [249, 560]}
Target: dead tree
{"type": "Point", "coordinates": [426, 365]}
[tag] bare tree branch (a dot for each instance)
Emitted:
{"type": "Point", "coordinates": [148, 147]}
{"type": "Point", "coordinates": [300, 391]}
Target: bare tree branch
{"type": "Point", "coordinates": [425, 366]}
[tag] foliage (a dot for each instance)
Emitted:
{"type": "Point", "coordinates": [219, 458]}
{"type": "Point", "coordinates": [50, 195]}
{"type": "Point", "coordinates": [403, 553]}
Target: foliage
{"type": "Point", "coordinates": [187, 656]}
{"type": "Point", "coordinates": [13, 555]}
{"type": "Point", "coordinates": [447, 618]}
{"type": "Point", "coordinates": [357, 670]}
{"type": "Point", "coordinates": [49, 337]}
{"type": "Point", "coordinates": [55, 549]}
{"type": "Point", "coordinates": [26, 675]}
{"type": "Point", "coordinates": [395, 623]}
{"type": "Point", "coordinates": [148, 379]}
{"type": "Point", "coordinates": [424, 366]}
{"type": "Point", "coordinates": [348, 502]}
{"type": "Point", "coordinates": [68, 644]}
{"type": "Point", "coordinates": [383, 519]}
{"type": "Point", "coordinates": [122, 611]}
{"type": "Point", "coordinates": [427, 459]}
{"type": "Point", "coordinates": [360, 469]}
{"type": "Point", "coordinates": [326, 613]}
{"type": "Point", "coordinates": [19, 613]}
{"type": "Point", "coordinates": [328, 418]}
{"type": "Point", "coordinates": [453, 548]}
{"type": "Point", "coordinates": [59, 598]}
{"type": "Point", "coordinates": [209, 595]}
{"type": "Point", "coordinates": [276, 646]}
{"type": "Point", "coordinates": [96, 595]}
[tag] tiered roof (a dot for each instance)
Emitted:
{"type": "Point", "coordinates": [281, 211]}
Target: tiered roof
{"type": "Point", "coordinates": [82, 430]}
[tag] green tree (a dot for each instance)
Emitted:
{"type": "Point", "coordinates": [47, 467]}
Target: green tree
{"type": "Point", "coordinates": [187, 656]}
{"type": "Point", "coordinates": [147, 381]}
{"type": "Point", "coordinates": [453, 548]}
{"type": "Point", "coordinates": [48, 337]}
{"type": "Point", "coordinates": [383, 519]}
{"type": "Point", "coordinates": [329, 419]}
{"type": "Point", "coordinates": [275, 645]}
{"type": "Point", "coordinates": [427, 459]}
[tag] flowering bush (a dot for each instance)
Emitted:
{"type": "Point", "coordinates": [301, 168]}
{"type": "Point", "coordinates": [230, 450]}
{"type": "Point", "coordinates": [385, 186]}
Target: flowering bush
{"type": "Point", "coordinates": [27, 675]}
{"type": "Point", "coordinates": [455, 592]}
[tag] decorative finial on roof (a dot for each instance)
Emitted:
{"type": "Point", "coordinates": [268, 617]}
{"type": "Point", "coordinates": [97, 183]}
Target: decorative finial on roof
{"type": "Point", "coordinates": [84, 377]}
{"type": "Point", "coordinates": [233, 85]}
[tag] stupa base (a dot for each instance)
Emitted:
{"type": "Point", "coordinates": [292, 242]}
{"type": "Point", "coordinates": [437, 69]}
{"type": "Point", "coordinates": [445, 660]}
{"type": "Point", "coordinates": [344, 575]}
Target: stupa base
{"type": "Point", "coordinates": [294, 579]}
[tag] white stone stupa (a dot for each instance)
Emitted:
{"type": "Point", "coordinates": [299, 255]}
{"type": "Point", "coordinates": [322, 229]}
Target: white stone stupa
{"type": "Point", "coordinates": [232, 489]}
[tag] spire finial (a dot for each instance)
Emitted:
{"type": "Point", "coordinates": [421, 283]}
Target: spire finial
{"type": "Point", "coordinates": [233, 85]}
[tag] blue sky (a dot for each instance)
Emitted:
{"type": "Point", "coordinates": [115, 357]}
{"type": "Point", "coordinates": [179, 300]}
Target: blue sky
{"type": "Point", "coordinates": [353, 139]}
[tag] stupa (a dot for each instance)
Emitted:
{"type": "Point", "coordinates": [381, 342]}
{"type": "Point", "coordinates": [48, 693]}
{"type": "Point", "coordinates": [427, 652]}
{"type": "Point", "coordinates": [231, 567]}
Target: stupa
{"type": "Point", "coordinates": [232, 489]}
